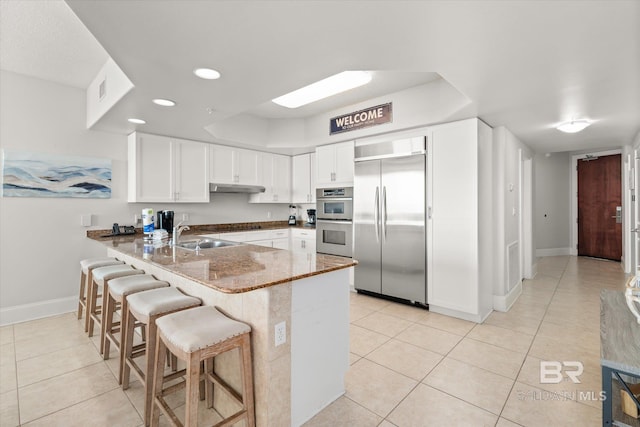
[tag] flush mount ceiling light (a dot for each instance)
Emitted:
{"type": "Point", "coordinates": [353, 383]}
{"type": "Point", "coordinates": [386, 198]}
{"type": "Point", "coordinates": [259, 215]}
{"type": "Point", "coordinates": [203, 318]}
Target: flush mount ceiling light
{"type": "Point", "coordinates": [136, 121]}
{"type": "Point", "coordinates": [207, 73]}
{"type": "Point", "coordinates": [164, 102]}
{"type": "Point", "coordinates": [573, 126]}
{"type": "Point", "coordinates": [324, 88]}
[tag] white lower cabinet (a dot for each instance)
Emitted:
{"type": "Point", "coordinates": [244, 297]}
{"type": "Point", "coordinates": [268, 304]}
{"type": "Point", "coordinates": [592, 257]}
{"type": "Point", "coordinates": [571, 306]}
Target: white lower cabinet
{"type": "Point", "coordinates": [303, 241]}
{"type": "Point", "coordinates": [278, 238]}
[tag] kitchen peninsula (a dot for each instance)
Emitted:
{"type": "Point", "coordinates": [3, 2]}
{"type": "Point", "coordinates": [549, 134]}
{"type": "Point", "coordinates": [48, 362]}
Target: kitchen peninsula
{"type": "Point", "coordinates": [264, 287]}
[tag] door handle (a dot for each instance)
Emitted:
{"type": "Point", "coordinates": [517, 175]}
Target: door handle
{"type": "Point", "coordinates": [384, 213]}
{"type": "Point", "coordinates": [618, 215]}
{"type": "Point", "coordinates": [376, 214]}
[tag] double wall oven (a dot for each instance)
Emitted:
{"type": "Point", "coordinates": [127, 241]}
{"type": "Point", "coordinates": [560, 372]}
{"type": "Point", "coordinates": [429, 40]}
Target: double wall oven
{"type": "Point", "coordinates": [334, 224]}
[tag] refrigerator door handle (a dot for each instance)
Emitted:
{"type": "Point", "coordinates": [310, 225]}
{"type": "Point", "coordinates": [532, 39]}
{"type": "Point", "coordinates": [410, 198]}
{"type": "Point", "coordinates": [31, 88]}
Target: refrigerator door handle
{"type": "Point", "coordinates": [376, 214]}
{"type": "Point", "coordinates": [384, 213]}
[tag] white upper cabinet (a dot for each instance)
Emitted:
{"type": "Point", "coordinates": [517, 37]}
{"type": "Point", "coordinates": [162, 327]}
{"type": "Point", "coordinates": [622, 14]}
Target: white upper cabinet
{"type": "Point", "coordinates": [303, 178]}
{"type": "Point", "coordinates": [334, 165]}
{"type": "Point", "coordinates": [275, 175]}
{"type": "Point", "coordinates": [230, 165]}
{"type": "Point", "coordinates": [163, 169]}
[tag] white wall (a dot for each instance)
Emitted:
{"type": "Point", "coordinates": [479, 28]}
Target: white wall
{"type": "Point", "coordinates": [507, 155]}
{"type": "Point", "coordinates": [552, 207]}
{"type": "Point", "coordinates": [42, 239]}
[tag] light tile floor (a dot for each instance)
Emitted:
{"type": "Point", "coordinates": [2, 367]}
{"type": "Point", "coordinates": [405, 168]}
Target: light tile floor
{"type": "Point", "coordinates": [409, 367]}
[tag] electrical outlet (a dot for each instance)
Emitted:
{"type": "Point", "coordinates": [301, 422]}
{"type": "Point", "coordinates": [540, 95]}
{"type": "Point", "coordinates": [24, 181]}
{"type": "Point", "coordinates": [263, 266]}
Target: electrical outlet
{"type": "Point", "coordinates": [281, 333]}
{"type": "Point", "coordinates": [185, 217]}
{"type": "Point", "coordinates": [137, 220]}
{"type": "Point", "coordinates": [269, 215]}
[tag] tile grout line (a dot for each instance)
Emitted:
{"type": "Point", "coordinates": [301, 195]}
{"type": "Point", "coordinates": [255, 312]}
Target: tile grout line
{"type": "Point", "coordinates": [555, 289]}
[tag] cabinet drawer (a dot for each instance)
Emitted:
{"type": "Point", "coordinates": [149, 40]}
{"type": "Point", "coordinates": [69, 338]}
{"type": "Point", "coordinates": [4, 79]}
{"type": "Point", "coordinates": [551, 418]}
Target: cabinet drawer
{"type": "Point", "coordinates": [280, 234]}
{"type": "Point", "coordinates": [303, 234]}
{"type": "Point", "coordinates": [267, 243]}
{"type": "Point", "coordinates": [247, 236]}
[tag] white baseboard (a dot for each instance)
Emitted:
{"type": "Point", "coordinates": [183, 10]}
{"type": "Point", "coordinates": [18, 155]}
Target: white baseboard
{"type": "Point", "coordinates": [37, 310]}
{"type": "Point", "coordinates": [504, 302]}
{"type": "Point", "coordinates": [478, 318]}
{"type": "Point", "coordinates": [553, 252]}
{"type": "Point", "coordinates": [534, 271]}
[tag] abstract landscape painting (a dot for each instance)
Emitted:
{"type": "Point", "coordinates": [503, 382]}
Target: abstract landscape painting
{"type": "Point", "coordinates": [27, 174]}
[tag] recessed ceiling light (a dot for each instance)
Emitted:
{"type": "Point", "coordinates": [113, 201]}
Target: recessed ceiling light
{"type": "Point", "coordinates": [324, 88]}
{"type": "Point", "coordinates": [206, 73]}
{"type": "Point", "coordinates": [136, 121]}
{"type": "Point", "coordinates": [573, 126]}
{"type": "Point", "coordinates": [164, 102]}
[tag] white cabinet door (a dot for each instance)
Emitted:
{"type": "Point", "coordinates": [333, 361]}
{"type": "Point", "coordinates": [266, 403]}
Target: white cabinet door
{"type": "Point", "coordinates": [221, 165]}
{"type": "Point", "coordinates": [191, 171]}
{"type": "Point", "coordinates": [246, 167]}
{"type": "Point", "coordinates": [163, 169]}
{"type": "Point", "coordinates": [452, 223]}
{"type": "Point", "coordinates": [325, 165]}
{"type": "Point", "coordinates": [266, 243]}
{"type": "Point", "coordinates": [150, 164]}
{"type": "Point", "coordinates": [230, 165]}
{"type": "Point", "coordinates": [303, 180]}
{"type": "Point", "coordinates": [344, 163]}
{"type": "Point", "coordinates": [312, 177]}
{"type": "Point", "coordinates": [281, 178]}
{"type": "Point", "coordinates": [334, 165]}
{"type": "Point", "coordinates": [275, 176]}
{"type": "Point", "coordinates": [303, 241]}
{"type": "Point", "coordinates": [281, 244]}
{"type": "Point", "coordinates": [265, 178]}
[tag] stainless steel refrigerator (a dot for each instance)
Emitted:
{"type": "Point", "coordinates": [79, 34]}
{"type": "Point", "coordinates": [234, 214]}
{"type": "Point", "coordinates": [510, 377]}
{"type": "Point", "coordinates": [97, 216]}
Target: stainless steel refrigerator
{"type": "Point", "coordinates": [389, 219]}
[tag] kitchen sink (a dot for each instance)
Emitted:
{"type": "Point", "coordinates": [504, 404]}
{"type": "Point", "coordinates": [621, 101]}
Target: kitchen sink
{"type": "Point", "coordinates": [205, 244]}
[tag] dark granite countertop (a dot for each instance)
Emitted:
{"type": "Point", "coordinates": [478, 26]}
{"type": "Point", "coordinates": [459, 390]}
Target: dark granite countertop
{"type": "Point", "coordinates": [619, 333]}
{"type": "Point", "coordinates": [231, 269]}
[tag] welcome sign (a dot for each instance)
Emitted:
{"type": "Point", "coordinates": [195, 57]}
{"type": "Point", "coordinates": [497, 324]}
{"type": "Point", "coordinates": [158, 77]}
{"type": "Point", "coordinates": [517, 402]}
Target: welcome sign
{"type": "Point", "coordinates": [362, 119]}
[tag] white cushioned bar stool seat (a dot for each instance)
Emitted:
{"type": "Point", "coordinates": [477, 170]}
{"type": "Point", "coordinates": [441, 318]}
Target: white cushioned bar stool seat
{"type": "Point", "coordinates": [195, 335]}
{"type": "Point", "coordinates": [101, 278]}
{"type": "Point", "coordinates": [119, 289]}
{"type": "Point", "coordinates": [86, 267]}
{"type": "Point", "coordinates": [143, 309]}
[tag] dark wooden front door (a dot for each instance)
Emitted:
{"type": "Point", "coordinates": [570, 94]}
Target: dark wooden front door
{"type": "Point", "coordinates": [599, 195]}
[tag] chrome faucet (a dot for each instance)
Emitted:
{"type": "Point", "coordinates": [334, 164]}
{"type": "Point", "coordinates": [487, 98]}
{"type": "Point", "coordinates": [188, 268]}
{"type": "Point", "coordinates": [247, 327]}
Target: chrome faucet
{"type": "Point", "coordinates": [177, 231]}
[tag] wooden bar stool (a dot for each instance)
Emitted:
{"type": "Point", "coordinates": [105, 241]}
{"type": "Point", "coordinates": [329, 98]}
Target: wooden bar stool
{"type": "Point", "coordinates": [195, 335]}
{"type": "Point", "coordinates": [119, 289]}
{"type": "Point", "coordinates": [101, 277]}
{"type": "Point", "coordinates": [86, 267]}
{"type": "Point", "coordinates": [143, 310]}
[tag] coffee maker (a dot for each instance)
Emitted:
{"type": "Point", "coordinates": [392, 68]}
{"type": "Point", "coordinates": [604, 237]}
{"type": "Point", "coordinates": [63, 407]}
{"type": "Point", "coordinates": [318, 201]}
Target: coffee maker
{"type": "Point", "coordinates": [165, 221]}
{"type": "Point", "coordinates": [311, 218]}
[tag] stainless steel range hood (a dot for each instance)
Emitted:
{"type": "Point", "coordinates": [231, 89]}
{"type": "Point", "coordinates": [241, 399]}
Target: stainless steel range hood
{"type": "Point", "coordinates": [235, 188]}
